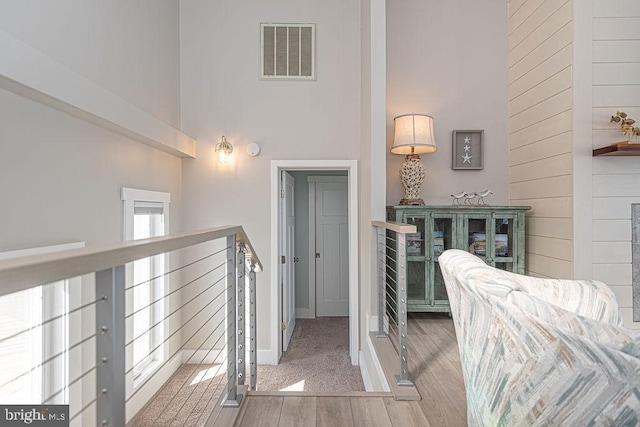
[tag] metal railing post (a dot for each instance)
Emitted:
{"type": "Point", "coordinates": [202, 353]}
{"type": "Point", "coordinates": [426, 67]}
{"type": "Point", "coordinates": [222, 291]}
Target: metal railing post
{"type": "Point", "coordinates": [232, 399]}
{"type": "Point", "coordinates": [382, 267]}
{"type": "Point", "coordinates": [252, 328]}
{"type": "Point", "coordinates": [401, 264]}
{"type": "Point", "coordinates": [241, 340]}
{"type": "Point", "coordinates": [110, 347]}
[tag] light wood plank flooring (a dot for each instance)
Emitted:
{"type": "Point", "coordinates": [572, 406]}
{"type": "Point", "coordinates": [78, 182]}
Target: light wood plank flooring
{"type": "Point", "coordinates": [434, 364]}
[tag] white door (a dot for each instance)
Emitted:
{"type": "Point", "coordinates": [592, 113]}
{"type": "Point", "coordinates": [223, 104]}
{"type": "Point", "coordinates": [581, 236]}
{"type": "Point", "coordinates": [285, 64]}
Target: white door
{"type": "Point", "coordinates": [288, 266]}
{"type": "Point", "coordinates": [332, 249]}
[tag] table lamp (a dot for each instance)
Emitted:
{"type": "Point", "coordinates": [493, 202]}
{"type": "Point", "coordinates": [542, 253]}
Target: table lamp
{"type": "Point", "coordinates": [413, 136]}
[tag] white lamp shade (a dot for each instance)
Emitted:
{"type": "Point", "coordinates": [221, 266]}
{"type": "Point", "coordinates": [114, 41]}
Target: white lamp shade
{"type": "Point", "coordinates": [413, 131]}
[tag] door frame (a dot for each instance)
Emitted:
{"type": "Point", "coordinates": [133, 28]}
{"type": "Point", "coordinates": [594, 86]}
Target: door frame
{"type": "Point", "coordinates": [351, 166]}
{"type": "Point", "coordinates": [313, 180]}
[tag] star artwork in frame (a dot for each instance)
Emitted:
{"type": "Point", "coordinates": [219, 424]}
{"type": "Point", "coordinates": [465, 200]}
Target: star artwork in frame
{"type": "Point", "coordinates": [468, 149]}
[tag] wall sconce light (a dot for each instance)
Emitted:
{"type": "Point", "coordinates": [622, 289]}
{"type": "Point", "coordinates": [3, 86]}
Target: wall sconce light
{"type": "Point", "coordinates": [413, 136]}
{"type": "Point", "coordinates": [224, 150]}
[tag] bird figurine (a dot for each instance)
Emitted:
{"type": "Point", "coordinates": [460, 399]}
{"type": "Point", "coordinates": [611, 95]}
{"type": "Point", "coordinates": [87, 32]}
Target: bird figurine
{"type": "Point", "coordinates": [457, 197]}
{"type": "Point", "coordinates": [469, 198]}
{"type": "Point", "coordinates": [481, 195]}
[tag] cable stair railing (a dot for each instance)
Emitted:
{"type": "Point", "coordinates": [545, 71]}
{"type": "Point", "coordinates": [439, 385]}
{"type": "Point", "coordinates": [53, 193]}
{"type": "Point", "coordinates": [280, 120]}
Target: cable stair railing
{"type": "Point", "coordinates": [392, 305]}
{"type": "Point", "coordinates": [76, 345]}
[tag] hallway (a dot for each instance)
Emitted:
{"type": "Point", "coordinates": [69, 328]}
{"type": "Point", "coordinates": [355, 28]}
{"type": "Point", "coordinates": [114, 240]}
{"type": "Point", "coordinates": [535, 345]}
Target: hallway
{"type": "Point", "coordinates": [317, 360]}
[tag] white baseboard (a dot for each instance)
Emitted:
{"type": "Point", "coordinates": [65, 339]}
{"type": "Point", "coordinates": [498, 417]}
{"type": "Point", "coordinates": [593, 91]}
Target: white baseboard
{"type": "Point", "coordinates": [366, 379]}
{"type": "Point", "coordinates": [303, 313]}
{"type": "Point", "coordinates": [267, 357]}
{"type": "Point", "coordinates": [370, 367]}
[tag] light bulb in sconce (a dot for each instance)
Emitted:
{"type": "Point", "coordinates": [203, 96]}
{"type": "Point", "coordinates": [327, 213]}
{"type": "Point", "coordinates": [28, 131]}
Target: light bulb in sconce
{"type": "Point", "coordinates": [223, 150]}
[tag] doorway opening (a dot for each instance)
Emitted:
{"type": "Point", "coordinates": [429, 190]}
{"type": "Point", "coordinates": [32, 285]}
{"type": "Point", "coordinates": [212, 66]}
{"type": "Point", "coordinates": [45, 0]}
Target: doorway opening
{"type": "Point", "coordinates": [329, 187]}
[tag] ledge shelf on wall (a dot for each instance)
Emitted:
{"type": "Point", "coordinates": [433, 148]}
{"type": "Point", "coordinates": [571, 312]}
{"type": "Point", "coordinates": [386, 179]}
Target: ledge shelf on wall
{"type": "Point", "coordinates": [32, 74]}
{"type": "Point", "coordinates": [618, 149]}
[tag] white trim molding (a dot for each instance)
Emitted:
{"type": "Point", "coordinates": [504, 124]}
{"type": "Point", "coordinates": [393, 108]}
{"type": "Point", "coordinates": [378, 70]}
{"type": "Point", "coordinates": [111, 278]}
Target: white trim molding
{"type": "Point", "coordinates": [351, 166]}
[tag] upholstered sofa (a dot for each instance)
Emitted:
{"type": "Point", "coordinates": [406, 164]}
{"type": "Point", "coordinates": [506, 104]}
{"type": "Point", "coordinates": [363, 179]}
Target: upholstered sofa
{"type": "Point", "coordinates": [541, 351]}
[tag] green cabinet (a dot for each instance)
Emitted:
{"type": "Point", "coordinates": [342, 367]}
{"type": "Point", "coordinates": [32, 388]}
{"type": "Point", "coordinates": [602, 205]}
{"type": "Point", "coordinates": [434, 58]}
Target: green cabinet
{"type": "Point", "coordinates": [493, 233]}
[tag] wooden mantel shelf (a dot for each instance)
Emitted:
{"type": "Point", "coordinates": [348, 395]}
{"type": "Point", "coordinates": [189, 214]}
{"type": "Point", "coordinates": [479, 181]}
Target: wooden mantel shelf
{"type": "Point", "coordinates": [618, 149]}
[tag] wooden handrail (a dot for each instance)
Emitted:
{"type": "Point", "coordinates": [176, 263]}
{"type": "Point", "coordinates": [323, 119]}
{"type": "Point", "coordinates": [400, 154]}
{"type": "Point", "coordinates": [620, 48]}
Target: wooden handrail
{"type": "Point", "coordinates": [398, 227]}
{"type": "Point", "coordinates": [27, 272]}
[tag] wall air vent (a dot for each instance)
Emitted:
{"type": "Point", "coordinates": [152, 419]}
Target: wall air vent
{"type": "Point", "coordinates": [288, 51]}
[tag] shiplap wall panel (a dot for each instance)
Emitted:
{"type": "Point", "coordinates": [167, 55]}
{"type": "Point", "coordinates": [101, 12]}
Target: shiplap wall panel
{"type": "Point", "coordinates": [559, 228]}
{"type": "Point", "coordinates": [540, 131]}
{"type": "Point", "coordinates": [605, 230]}
{"type": "Point", "coordinates": [613, 207]}
{"type": "Point", "coordinates": [553, 44]}
{"type": "Point", "coordinates": [542, 13]}
{"type": "Point", "coordinates": [515, 5]}
{"type": "Point", "coordinates": [554, 64]}
{"type": "Point", "coordinates": [548, 128]}
{"type": "Point", "coordinates": [545, 246]}
{"type": "Point", "coordinates": [523, 11]}
{"type": "Point", "coordinates": [612, 252]}
{"type": "Point", "coordinates": [539, 93]}
{"type": "Point", "coordinates": [541, 169]}
{"type": "Point", "coordinates": [616, 181]}
{"type": "Point", "coordinates": [558, 186]}
{"type": "Point", "coordinates": [619, 28]}
{"type": "Point", "coordinates": [546, 27]}
{"type": "Point", "coordinates": [626, 73]}
{"type": "Point", "coordinates": [556, 104]}
{"type": "Point", "coordinates": [616, 51]}
{"type": "Point", "coordinates": [616, 185]}
{"type": "Point", "coordinates": [613, 274]}
{"type": "Point", "coordinates": [616, 96]}
{"type": "Point", "coordinates": [623, 294]}
{"type": "Point", "coordinates": [545, 266]}
{"type": "Point", "coordinates": [616, 8]}
{"type": "Point", "coordinates": [548, 147]}
{"type": "Point", "coordinates": [615, 165]}
{"type": "Point", "coordinates": [557, 207]}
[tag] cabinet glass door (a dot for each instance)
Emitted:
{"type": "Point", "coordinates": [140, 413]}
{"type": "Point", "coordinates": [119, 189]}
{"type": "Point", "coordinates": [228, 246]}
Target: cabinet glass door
{"type": "Point", "coordinates": [416, 289]}
{"type": "Point", "coordinates": [504, 242]}
{"type": "Point", "coordinates": [477, 233]}
{"type": "Point", "coordinates": [442, 239]}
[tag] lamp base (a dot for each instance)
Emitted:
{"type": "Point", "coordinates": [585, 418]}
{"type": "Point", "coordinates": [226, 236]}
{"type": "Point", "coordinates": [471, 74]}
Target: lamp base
{"type": "Point", "coordinates": [412, 202]}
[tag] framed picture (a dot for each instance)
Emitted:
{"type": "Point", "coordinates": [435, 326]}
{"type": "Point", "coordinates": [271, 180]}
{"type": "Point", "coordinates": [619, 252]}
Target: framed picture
{"type": "Point", "coordinates": [468, 150]}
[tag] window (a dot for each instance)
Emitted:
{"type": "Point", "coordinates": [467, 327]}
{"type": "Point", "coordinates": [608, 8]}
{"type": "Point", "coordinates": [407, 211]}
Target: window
{"type": "Point", "coordinates": [146, 215]}
{"type": "Point", "coordinates": [35, 357]}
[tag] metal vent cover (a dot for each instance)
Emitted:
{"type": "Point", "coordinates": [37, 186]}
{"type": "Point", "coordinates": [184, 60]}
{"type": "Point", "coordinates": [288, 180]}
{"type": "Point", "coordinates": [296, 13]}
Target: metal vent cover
{"type": "Point", "coordinates": [288, 51]}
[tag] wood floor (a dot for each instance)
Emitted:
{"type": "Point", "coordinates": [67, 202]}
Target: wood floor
{"type": "Point", "coordinates": [434, 364]}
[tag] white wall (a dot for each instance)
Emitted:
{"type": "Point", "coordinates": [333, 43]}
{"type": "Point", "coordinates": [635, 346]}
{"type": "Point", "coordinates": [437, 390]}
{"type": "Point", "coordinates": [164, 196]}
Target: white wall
{"type": "Point", "coordinates": [448, 59]}
{"type": "Point", "coordinates": [128, 47]}
{"type": "Point", "coordinates": [60, 177]}
{"type": "Point", "coordinates": [222, 95]}
{"type": "Point", "coordinates": [616, 180]}
{"type": "Point", "coordinates": [64, 175]}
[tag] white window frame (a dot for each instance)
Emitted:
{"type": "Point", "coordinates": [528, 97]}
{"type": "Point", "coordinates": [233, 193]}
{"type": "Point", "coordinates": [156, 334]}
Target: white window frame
{"type": "Point", "coordinates": [129, 197]}
{"type": "Point", "coordinates": [56, 298]}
